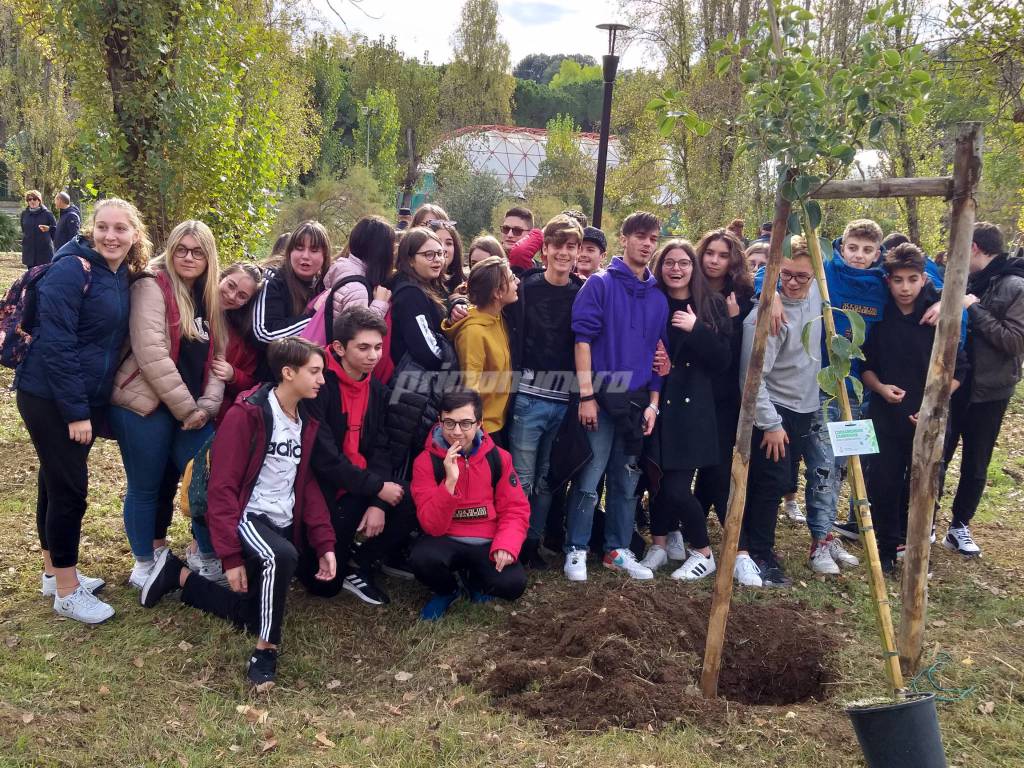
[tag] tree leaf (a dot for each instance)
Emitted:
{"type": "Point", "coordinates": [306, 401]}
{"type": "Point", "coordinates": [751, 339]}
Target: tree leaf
{"type": "Point", "coordinates": [857, 326]}
{"type": "Point", "coordinates": [891, 57]}
{"type": "Point", "coordinates": [805, 339]}
{"type": "Point", "coordinates": [717, 46]}
{"type": "Point", "coordinates": [813, 209]}
{"type": "Point", "coordinates": [793, 224]}
{"type": "Point", "coordinates": [723, 65]}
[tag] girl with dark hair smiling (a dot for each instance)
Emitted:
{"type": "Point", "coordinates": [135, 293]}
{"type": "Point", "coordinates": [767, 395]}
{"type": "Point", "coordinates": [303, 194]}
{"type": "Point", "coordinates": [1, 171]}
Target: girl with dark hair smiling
{"type": "Point", "coordinates": [282, 308]}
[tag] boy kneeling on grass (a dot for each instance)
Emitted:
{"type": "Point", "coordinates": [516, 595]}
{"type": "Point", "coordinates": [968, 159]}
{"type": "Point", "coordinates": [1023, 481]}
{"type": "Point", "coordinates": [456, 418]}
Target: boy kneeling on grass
{"type": "Point", "coordinates": [472, 509]}
{"type": "Point", "coordinates": [263, 505]}
{"type": "Point", "coordinates": [897, 355]}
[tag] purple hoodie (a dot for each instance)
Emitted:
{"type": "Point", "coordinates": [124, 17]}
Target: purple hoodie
{"type": "Point", "coordinates": [622, 319]}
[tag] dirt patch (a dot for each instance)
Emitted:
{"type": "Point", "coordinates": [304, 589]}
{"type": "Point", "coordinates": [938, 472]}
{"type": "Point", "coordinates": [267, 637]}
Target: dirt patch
{"type": "Point", "coordinates": [632, 657]}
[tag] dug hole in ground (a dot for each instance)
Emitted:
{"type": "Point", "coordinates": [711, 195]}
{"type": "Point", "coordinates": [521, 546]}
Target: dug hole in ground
{"type": "Point", "coordinates": [631, 657]}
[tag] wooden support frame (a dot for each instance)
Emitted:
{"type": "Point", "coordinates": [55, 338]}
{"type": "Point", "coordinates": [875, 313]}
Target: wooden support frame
{"type": "Point", "coordinates": [961, 187]}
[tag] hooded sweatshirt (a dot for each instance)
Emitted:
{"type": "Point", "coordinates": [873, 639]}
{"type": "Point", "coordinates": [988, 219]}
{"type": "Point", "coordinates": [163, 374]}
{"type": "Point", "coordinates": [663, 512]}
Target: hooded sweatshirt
{"type": "Point", "coordinates": [623, 319]}
{"type": "Point", "coordinates": [476, 510]}
{"type": "Point", "coordinates": [481, 342]}
{"type": "Point", "coordinates": [790, 377]}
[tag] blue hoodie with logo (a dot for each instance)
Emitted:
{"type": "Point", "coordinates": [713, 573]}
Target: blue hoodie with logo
{"type": "Point", "coordinates": [622, 318]}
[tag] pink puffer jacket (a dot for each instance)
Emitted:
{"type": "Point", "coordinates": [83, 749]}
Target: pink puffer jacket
{"type": "Point", "coordinates": [353, 294]}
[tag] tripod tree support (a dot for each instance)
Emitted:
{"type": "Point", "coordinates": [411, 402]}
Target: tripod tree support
{"type": "Point", "coordinates": [929, 436]}
{"type": "Point", "coordinates": [722, 596]}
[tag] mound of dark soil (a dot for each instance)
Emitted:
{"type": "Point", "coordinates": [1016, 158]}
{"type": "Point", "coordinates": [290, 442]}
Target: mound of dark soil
{"type": "Point", "coordinates": [631, 657]}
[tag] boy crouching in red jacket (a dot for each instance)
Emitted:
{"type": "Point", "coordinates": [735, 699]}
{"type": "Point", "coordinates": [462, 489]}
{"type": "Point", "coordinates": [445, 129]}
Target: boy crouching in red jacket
{"type": "Point", "coordinates": [472, 510]}
{"type": "Point", "coordinates": [263, 505]}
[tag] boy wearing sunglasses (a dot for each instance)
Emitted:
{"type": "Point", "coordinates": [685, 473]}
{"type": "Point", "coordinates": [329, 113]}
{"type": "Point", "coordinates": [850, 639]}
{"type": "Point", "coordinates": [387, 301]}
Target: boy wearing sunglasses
{"type": "Point", "coordinates": [472, 509]}
{"type": "Point", "coordinates": [786, 402]}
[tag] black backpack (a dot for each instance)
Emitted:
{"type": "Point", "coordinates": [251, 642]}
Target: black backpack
{"type": "Point", "coordinates": [493, 460]}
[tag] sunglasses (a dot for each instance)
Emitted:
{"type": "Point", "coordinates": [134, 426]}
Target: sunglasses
{"type": "Point", "coordinates": [514, 231]}
{"type": "Point", "coordinates": [436, 224]}
{"type": "Point", "coordinates": [30, 199]}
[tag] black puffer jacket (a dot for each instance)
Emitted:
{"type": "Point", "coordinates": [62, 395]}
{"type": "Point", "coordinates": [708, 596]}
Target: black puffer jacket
{"type": "Point", "coordinates": [36, 246]}
{"type": "Point", "coordinates": [995, 340]}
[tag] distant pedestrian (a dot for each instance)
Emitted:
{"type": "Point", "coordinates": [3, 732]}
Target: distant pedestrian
{"type": "Point", "coordinates": [38, 227]}
{"type": "Point", "coordinates": [70, 220]}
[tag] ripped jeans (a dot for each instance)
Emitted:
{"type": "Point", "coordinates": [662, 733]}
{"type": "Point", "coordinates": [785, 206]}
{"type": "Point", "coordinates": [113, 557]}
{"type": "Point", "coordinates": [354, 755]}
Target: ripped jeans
{"type": "Point", "coordinates": [824, 472]}
{"type": "Point", "coordinates": [620, 496]}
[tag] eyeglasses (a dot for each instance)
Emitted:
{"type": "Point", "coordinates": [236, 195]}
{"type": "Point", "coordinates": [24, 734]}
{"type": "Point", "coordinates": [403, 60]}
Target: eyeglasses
{"type": "Point", "coordinates": [682, 264]}
{"type": "Point", "coordinates": [465, 425]}
{"type": "Point", "coordinates": [197, 254]}
{"type": "Point", "coordinates": [436, 224]}
{"type": "Point", "coordinates": [431, 255]}
{"type": "Point", "coordinates": [801, 278]}
{"type": "Point", "coordinates": [515, 231]}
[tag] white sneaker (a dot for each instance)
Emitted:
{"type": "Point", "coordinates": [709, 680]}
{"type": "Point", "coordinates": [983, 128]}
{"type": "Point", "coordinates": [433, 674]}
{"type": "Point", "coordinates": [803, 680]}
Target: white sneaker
{"type": "Point", "coordinates": [792, 510]}
{"type": "Point", "coordinates": [746, 571]}
{"type": "Point", "coordinates": [655, 558]}
{"type": "Point", "coordinates": [82, 605]}
{"type": "Point", "coordinates": [48, 583]}
{"type": "Point", "coordinates": [141, 569]}
{"type": "Point", "coordinates": [821, 561]}
{"type": "Point", "coordinates": [960, 540]}
{"type": "Point", "coordinates": [839, 554]}
{"type": "Point", "coordinates": [675, 547]}
{"type": "Point", "coordinates": [624, 560]}
{"type": "Point", "coordinates": [576, 565]}
{"type": "Point", "coordinates": [696, 567]}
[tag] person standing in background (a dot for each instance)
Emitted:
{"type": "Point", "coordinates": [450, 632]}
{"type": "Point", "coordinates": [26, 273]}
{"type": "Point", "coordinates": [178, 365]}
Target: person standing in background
{"type": "Point", "coordinates": [37, 230]}
{"type": "Point", "coordinates": [70, 220]}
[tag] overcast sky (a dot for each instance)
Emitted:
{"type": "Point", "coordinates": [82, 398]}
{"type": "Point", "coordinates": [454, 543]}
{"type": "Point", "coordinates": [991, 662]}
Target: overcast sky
{"type": "Point", "coordinates": [529, 26]}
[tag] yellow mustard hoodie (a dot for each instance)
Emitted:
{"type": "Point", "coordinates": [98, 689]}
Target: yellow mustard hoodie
{"type": "Point", "coordinates": [481, 341]}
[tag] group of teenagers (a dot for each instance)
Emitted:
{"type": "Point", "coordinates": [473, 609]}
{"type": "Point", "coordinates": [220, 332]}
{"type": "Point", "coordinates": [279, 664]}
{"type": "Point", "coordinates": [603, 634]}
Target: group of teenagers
{"type": "Point", "coordinates": [425, 410]}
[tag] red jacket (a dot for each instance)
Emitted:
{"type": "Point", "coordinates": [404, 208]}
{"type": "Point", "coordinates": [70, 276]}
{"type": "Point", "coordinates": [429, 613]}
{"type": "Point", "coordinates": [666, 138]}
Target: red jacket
{"type": "Point", "coordinates": [236, 458]}
{"type": "Point", "coordinates": [521, 255]}
{"type": "Point", "coordinates": [244, 358]}
{"type": "Point", "coordinates": [501, 514]}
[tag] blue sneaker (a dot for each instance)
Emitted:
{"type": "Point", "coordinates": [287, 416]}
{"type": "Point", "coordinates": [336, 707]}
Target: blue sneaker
{"type": "Point", "coordinates": [480, 597]}
{"type": "Point", "coordinates": [437, 606]}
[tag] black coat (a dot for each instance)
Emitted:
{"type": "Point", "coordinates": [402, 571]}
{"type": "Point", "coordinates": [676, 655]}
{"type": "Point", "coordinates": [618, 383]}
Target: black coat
{"type": "Point", "coordinates": [686, 433]}
{"type": "Point", "coordinates": [36, 246]}
{"type": "Point", "coordinates": [332, 468]}
{"type": "Point", "coordinates": [68, 224]}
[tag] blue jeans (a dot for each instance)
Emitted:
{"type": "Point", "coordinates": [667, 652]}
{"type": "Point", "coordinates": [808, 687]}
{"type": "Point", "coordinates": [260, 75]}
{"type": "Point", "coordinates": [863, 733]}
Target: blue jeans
{"type": "Point", "coordinates": [147, 444]}
{"type": "Point", "coordinates": [824, 472]}
{"type": "Point", "coordinates": [620, 496]}
{"type": "Point", "coordinates": [535, 422]}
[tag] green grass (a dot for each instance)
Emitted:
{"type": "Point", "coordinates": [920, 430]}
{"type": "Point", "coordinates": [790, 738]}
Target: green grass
{"type": "Point", "coordinates": [164, 686]}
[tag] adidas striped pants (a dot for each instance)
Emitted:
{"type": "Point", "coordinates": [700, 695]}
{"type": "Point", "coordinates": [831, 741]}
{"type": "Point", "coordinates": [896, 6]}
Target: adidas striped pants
{"type": "Point", "coordinates": [270, 561]}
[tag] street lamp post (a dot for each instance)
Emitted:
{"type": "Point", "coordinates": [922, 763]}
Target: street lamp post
{"type": "Point", "coordinates": [366, 116]}
{"type": "Point", "coordinates": [611, 66]}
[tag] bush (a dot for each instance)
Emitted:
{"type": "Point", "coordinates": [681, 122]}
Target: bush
{"type": "Point", "coordinates": [10, 236]}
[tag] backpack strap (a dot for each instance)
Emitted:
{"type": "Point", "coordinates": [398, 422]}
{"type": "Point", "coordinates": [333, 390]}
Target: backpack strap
{"type": "Point", "coordinates": [493, 461]}
{"type": "Point", "coordinates": [329, 305]}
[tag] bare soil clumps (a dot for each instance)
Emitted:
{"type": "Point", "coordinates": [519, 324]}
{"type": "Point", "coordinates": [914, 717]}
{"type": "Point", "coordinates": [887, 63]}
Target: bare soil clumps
{"type": "Point", "coordinates": [631, 657]}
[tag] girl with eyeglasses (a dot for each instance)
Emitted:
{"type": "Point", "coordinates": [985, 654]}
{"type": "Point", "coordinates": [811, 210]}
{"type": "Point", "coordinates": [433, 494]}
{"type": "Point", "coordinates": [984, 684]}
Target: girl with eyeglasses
{"type": "Point", "coordinates": [685, 434]}
{"type": "Point", "coordinates": [721, 259]}
{"type": "Point", "coordinates": [169, 388]}
{"type": "Point", "coordinates": [436, 219]}
{"type": "Point", "coordinates": [38, 226]}
{"type": "Point", "coordinates": [63, 387]}
{"type": "Point", "coordinates": [419, 348]}
{"type": "Point", "coordinates": [283, 307]}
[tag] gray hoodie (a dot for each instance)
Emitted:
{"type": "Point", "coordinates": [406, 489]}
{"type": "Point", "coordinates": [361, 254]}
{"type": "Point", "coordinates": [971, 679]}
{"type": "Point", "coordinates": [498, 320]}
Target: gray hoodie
{"type": "Point", "coordinates": [790, 375]}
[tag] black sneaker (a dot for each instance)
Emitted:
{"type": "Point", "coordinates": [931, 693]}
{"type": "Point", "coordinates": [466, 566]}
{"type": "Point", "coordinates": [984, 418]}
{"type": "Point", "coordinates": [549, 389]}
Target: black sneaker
{"type": "Point", "coordinates": [262, 666]}
{"type": "Point", "coordinates": [162, 580]}
{"type": "Point", "coordinates": [531, 557]}
{"type": "Point", "coordinates": [848, 530]}
{"type": "Point", "coordinates": [397, 565]}
{"type": "Point", "coordinates": [772, 574]}
{"type": "Point", "coordinates": [361, 585]}
{"type": "Point", "coordinates": [888, 567]}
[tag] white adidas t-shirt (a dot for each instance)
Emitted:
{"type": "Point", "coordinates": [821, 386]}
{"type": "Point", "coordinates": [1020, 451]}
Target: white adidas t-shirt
{"type": "Point", "coordinates": [274, 494]}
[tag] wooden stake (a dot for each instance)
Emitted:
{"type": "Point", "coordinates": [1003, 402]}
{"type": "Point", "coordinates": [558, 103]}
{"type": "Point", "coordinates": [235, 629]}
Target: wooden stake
{"type": "Point", "coordinates": [858, 489]}
{"type": "Point", "coordinates": [931, 425]}
{"type": "Point", "coordinates": [722, 596]}
{"type": "Point", "coordinates": [938, 186]}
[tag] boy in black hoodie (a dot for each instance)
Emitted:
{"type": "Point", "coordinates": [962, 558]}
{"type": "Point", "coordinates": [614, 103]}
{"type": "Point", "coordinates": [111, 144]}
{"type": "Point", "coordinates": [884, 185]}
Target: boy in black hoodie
{"type": "Point", "coordinates": [352, 462]}
{"type": "Point", "coordinates": [898, 352]}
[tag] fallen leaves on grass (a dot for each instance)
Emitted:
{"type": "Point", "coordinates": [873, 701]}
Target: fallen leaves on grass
{"type": "Point", "coordinates": [50, 656]}
{"type": "Point", "coordinates": [403, 676]}
{"type": "Point", "coordinates": [268, 746]}
{"type": "Point", "coordinates": [987, 707]}
{"type": "Point", "coordinates": [333, 684]}
{"type": "Point", "coordinates": [27, 718]}
{"type": "Point", "coordinates": [323, 741]}
{"type": "Point", "coordinates": [138, 662]}
{"type": "Point", "coordinates": [252, 714]}
{"type": "Point", "coordinates": [184, 645]}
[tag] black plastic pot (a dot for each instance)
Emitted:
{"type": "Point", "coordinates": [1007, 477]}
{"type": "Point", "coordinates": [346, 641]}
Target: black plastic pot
{"type": "Point", "coordinates": [899, 734]}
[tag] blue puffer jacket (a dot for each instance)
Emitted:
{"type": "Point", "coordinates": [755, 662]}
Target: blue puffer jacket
{"type": "Point", "coordinates": [77, 345]}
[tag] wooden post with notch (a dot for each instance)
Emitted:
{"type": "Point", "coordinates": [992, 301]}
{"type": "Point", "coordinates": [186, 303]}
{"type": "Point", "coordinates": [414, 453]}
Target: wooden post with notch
{"type": "Point", "coordinates": [931, 428]}
{"type": "Point", "coordinates": [722, 596]}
